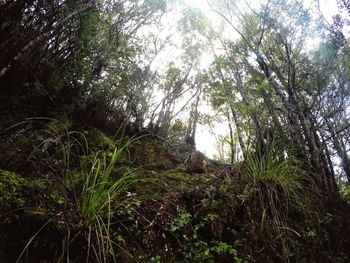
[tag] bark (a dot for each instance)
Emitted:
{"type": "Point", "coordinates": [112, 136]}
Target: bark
{"type": "Point", "coordinates": [232, 143]}
{"type": "Point", "coordinates": [239, 87]}
{"type": "Point", "coordinates": [192, 123]}
{"type": "Point", "coordinates": [239, 130]}
{"type": "Point", "coordinates": [341, 151]}
{"type": "Point", "coordinates": [330, 164]}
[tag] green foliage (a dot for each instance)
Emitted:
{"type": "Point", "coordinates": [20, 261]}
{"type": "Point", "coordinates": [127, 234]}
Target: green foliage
{"type": "Point", "coordinates": [344, 190]}
{"type": "Point", "coordinates": [275, 176]}
{"type": "Point", "coordinates": [65, 141]}
{"type": "Point", "coordinates": [15, 191]}
{"type": "Point", "coordinates": [10, 186]}
{"type": "Point", "coordinates": [99, 191]}
{"type": "Point", "coordinates": [91, 62]}
{"type": "Point", "coordinates": [38, 71]}
{"type": "Point", "coordinates": [176, 140]}
{"type": "Point", "coordinates": [50, 139]}
{"type": "Point", "coordinates": [54, 144]}
{"type": "Point", "coordinates": [196, 249]}
{"type": "Point", "coordinates": [310, 232]}
{"type": "Point", "coordinates": [180, 222]}
{"type": "Point", "coordinates": [98, 186]}
{"type": "Point", "coordinates": [102, 196]}
{"type": "Point", "coordinates": [156, 259]}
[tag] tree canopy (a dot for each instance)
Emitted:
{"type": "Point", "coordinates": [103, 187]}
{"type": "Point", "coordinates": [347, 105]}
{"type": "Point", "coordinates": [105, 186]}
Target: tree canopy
{"type": "Point", "coordinates": [279, 70]}
{"type": "Point", "coordinates": [269, 79]}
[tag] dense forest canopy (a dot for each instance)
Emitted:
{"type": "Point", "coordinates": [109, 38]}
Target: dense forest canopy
{"type": "Point", "coordinates": [269, 79]}
{"type": "Point", "coordinates": [278, 71]}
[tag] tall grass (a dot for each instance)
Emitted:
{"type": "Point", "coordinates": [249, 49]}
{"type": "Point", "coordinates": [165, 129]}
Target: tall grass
{"type": "Point", "coordinates": [276, 178]}
{"type": "Point", "coordinates": [103, 185]}
{"type": "Point", "coordinates": [52, 133]}
{"type": "Point", "coordinates": [98, 195]}
{"type": "Point", "coordinates": [60, 133]}
{"type": "Point", "coordinates": [31, 240]}
{"type": "Point", "coordinates": [50, 144]}
{"type": "Point", "coordinates": [276, 173]}
{"type": "Point", "coordinates": [102, 196]}
{"type": "Point", "coordinates": [98, 190]}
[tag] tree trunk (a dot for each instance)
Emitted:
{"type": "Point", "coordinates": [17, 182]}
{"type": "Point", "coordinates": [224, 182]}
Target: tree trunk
{"type": "Point", "coordinates": [232, 143]}
{"type": "Point", "coordinates": [341, 152]}
{"type": "Point", "coordinates": [239, 130]}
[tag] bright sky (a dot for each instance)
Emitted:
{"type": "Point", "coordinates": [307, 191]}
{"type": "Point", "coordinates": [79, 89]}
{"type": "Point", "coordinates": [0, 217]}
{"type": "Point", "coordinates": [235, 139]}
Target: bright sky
{"type": "Point", "coordinates": [205, 140]}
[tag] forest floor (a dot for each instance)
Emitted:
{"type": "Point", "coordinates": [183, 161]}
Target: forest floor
{"type": "Point", "coordinates": [49, 213]}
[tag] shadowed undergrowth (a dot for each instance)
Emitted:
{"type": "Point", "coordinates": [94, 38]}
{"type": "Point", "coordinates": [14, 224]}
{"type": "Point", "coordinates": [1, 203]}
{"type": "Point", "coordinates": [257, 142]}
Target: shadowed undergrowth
{"type": "Point", "coordinates": [82, 196]}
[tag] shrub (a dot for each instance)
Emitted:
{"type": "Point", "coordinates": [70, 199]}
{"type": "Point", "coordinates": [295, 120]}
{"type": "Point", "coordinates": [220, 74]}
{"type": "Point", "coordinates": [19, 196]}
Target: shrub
{"type": "Point", "coordinates": [274, 177]}
{"type": "Point", "coordinates": [195, 248]}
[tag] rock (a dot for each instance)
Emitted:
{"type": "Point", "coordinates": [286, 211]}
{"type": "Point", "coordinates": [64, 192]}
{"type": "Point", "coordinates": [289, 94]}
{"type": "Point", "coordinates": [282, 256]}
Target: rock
{"type": "Point", "coordinates": [196, 162]}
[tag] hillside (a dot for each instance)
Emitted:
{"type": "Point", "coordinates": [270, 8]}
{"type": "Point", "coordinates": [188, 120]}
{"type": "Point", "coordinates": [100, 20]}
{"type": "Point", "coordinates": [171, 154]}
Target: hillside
{"type": "Point", "coordinates": [159, 211]}
{"type": "Point", "coordinates": [168, 131]}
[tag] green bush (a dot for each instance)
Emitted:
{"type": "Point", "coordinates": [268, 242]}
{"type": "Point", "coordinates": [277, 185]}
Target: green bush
{"type": "Point", "coordinates": [196, 249]}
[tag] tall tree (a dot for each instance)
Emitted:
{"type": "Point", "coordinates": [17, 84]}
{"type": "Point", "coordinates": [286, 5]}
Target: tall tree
{"type": "Point", "coordinates": [273, 40]}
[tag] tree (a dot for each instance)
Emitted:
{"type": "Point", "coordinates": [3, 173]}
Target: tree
{"type": "Point", "coordinates": [280, 74]}
{"type": "Point", "coordinates": [75, 54]}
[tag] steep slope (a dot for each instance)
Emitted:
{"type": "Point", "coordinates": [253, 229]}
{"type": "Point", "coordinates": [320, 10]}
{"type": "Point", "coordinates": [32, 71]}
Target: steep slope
{"type": "Point", "coordinates": [162, 213]}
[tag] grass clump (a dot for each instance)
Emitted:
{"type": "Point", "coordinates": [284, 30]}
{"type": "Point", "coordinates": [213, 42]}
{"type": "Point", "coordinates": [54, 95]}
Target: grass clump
{"type": "Point", "coordinates": [101, 196]}
{"type": "Point", "coordinates": [93, 185]}
{"type": "Point", "coordinates": [98, 190]}
{"type": "Point", "coordinates": [275, 179]}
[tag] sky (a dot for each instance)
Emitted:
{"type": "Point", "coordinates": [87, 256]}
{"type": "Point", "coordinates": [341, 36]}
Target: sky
{"type": "Point", "coordinates": [205, 139]}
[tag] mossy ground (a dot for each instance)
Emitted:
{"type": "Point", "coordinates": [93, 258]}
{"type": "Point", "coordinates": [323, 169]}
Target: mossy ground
{"type": "Point", "coordinates": [173, 216]}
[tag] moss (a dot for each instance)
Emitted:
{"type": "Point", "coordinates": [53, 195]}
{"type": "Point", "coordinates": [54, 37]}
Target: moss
{"type": "Point", "coordinates": [176, 175]}
{"type": "Point", "coordinates": [10, 190]}
{"type": "Point", "coordinates": [179, 181]}
{"type": "Point", "coordinates": [18, 192]}
{"type": "Point", "coordinates": [344, 191]}
{"type": "Point", "coordinates": [151, 154]}
{"type": "Point", "coordinates": [147, 218]}
{"type": "Point", "coordinates": [98, 139]}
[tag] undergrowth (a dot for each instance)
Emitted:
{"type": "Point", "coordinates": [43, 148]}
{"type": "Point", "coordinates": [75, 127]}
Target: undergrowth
{"type": "Point", "coordinates": [76, 196]}
{"type": "Point", "coordinates": [344, 190]}
{"type": "Point", "coordinates": [197, 249]}
{"type": "Point", "coordinates": [90, 179]}
{"type": "Point", "coordinates": [275, 179]}
{"type": "Point", "coordinates": [101, 197]}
